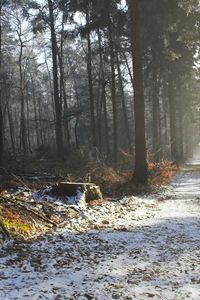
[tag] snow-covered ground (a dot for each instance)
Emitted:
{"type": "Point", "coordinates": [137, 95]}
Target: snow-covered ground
{"type": "Point", "coordinates": [135, 249]}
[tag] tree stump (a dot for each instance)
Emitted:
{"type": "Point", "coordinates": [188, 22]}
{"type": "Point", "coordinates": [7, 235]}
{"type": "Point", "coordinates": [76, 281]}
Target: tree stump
{"type": "Point", "coordinates": [91, 190]}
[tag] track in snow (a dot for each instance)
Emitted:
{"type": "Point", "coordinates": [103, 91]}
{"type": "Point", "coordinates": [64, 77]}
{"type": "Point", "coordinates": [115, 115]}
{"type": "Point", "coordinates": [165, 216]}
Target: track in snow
{"type": "Point", "coordinates": [158, 258]}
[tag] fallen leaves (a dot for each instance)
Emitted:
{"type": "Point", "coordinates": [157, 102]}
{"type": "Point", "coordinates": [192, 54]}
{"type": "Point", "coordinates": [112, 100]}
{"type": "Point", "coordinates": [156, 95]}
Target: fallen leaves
{"type": "Point", "coordinates": [116, 255]}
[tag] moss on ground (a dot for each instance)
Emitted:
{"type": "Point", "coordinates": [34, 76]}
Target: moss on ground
{"type": "Point", "coordinates": [93, 193]}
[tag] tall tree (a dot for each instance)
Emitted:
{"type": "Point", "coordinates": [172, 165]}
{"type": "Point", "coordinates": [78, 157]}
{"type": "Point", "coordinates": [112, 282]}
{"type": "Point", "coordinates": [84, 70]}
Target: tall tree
{"type": "Point", "coordinates": [90, 79]}
{"type": "Point", "coordinates": [57, 102]}
{"type": "Point", "coordinates": [140, 170]}
{"type": "Point", "coordinates": [113, 91]}
{"type": "Point", "coordinates": [103, 97]}
{"type": "Point", "coordinates": [123, 101]}
{"type": "Point", "coordinates": [23, 129]}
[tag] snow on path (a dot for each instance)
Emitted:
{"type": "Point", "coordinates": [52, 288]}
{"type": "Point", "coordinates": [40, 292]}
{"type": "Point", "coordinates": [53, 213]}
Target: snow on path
{"type": "Point", "coordinates": [155, 258]}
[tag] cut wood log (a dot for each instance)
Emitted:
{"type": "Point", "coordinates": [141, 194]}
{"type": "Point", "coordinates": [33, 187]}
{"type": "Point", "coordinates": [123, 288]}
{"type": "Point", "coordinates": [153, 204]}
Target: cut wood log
{"type": "Point", "coordinates": [91, 190]}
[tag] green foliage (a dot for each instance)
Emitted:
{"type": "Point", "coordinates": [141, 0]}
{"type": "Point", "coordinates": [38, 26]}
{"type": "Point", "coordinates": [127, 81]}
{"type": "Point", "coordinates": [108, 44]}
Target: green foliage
{"type": "Point", "coordinates": [15, 222]}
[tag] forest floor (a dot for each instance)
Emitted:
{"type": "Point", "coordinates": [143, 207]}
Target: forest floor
{"type": "Point", "coordinates": [136, 248]}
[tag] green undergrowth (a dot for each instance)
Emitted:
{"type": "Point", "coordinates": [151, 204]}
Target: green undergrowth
{"type": "Point", "coordinates": [19, 224]}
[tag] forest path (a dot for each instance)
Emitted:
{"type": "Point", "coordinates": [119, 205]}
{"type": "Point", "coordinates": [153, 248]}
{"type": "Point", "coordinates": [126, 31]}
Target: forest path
{"type": "Point", "coordinates": [156, 258]}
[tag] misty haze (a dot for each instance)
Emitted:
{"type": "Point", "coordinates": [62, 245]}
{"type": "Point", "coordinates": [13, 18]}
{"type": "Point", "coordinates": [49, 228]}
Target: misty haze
{"type": "Point", "coordinates": [99, 149]}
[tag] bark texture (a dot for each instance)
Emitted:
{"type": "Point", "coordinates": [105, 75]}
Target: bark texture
{"type": "Point", "coordinates": [140, 170]}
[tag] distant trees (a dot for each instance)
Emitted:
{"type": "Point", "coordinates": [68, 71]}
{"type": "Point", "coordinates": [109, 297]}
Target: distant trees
{"type": "Point", "coordinates": [70, 82]}
{"type": "Point", "coordinates": [167, 55]}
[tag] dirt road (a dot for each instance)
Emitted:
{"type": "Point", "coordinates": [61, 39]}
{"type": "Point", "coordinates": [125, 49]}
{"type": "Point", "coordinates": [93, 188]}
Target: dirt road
{"type": "Point", "coordinates": [155, 257]}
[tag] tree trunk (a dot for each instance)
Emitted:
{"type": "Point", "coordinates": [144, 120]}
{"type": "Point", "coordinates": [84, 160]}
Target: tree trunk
{"type": "Point", "coordinates": [76, 132]}
{"type": "Point", "coordinates": [173, 125]}
{"type": "Point", "coordinates": [113, 95]}
{"type": "Point", "coordinates": [180, 116]}
{"type": "Point", "coordinates": [156, 114]}
{"type": "Point", "coordinates": [35, 111]}
{"type": "Point", "coordinates": [58, 107]}
{"type": "Point", "coordinates": [23, 137]}
{"type": "Point", "coordinates": [128, 67]}
{"type": "Point", "coordinates": [103, 96]}
{"type": "Point", "coordinates": [140, 171]}
{"type": "Point", "coordinates": [180, 119]}
{"type": "Point", "coordinates": [28, 133]}
{"type": "Point", "coordinates": [40, 121]}
{"type": "Point", "coordinates": [63, 90]}
{"type": "Point", "coordinates": [50, 83]}
{"type": "Point", "coordinates": [11, 129]}
{"type": "Point", "coordinates": [90, 83]}
{"type": "Point", "coordinates": [106, 127]}
{"type": "Point", "coordinates": [66, 124]}
{"type": "Point", "coordinates": [126, 123]}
